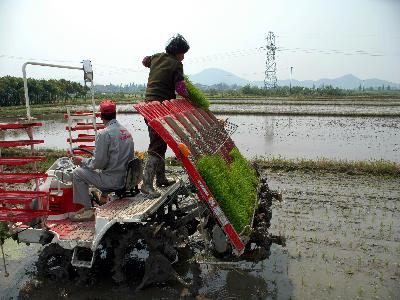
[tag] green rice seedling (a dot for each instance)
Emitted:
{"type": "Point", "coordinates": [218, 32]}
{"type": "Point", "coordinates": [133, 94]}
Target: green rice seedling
{"type": "Point", "coordinates": [360, 291]}
{"type": "Point", "coordinates": [195, 95]}
{"type": "Point", "coordinates": [381, 276]}
{"type": "Point", "coordinates": [234, 186]}
{"type": "Point", "coordinates": [323, 255]}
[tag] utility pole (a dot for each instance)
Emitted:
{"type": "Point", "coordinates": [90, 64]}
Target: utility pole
{"type": "Point", "coordinates": [290, 86]}
{"type": "Point", "coordinates": [270, 64]}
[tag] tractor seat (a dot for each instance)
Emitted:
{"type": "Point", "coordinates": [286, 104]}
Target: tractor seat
{"type": "Point", "coordinates": [133, 176]}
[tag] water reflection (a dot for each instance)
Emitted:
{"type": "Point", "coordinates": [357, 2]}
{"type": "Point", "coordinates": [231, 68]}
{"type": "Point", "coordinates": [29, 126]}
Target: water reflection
{"type": "Point", "coordinates": [307, 137]}
{"type": "Point", "coordinates": [268, 279]}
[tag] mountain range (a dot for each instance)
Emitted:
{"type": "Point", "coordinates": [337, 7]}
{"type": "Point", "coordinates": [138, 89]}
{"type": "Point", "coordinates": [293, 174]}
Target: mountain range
{"type": "Point", "coordinates": [214, 76]}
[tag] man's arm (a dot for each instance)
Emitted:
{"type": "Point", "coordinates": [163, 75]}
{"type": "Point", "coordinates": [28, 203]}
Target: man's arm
{"type": "Point", "coordinates": [181, 89]}
{"type": "Point", "coordinates": [180, 85]}
{"type": "Point", "coordinates": [100, 157]}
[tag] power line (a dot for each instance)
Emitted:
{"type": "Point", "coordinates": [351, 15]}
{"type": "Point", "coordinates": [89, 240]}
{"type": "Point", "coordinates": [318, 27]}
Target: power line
{"type": "Point", "coordinates": [227, 55]}
{"type": "Point", "coordinates": [331, 51]}
{"type": "Point", "coordinates": [270, 63]}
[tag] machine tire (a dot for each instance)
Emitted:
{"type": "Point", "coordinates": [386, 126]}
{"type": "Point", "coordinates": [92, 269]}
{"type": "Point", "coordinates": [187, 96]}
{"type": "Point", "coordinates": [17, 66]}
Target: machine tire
{"type": "Point", "coordinates": [55, 263]}
{"type": "Point", "coordinates": [144, 256]}
{"type": "Point", "coordinates": [127, 265]}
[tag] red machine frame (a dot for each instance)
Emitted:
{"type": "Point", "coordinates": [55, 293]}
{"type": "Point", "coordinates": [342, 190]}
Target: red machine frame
{"type": "Point", "coordinates": [177, 119]}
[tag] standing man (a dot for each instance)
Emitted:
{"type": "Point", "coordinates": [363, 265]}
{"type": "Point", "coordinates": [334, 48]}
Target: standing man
{"type": "Point", "coordinates": [165, 77]}
{"type": "Point", "coordinates": [106, 170]}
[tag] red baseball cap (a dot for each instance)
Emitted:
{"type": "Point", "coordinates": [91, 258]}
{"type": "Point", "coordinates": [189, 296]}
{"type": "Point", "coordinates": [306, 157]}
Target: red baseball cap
{"type": "Point", "coordinates": [108, 107]}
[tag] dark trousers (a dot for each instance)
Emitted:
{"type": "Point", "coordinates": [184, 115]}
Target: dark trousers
{"type": "Point", "coordinates": [157, 145]}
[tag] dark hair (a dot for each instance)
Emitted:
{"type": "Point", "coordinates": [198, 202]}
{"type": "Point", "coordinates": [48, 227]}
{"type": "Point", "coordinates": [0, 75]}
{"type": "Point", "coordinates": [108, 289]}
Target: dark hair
{"type": "Point", "coordinates": [108, 116]}
{"type": "Point", "coordinates": [177, 44]}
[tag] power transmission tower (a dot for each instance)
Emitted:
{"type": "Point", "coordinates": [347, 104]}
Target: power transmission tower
{"type": "Point", "coordinates": [270, 64]}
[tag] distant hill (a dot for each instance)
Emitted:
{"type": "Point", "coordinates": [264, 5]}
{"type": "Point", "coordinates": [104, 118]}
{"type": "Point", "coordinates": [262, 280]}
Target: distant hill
{"type": "Point", "coordinates": [215, 76]}
{"type": "Point", "coordinates": [348, 82]}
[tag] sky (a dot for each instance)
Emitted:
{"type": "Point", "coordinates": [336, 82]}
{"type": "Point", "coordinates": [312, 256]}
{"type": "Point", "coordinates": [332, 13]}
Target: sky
{"type": "Point", "coordinates": [319, 39]}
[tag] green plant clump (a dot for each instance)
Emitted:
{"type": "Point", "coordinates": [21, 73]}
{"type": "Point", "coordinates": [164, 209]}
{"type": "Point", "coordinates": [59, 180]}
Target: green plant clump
{"type": "Point", "coordinates": [3, 230]}
{"type": "Point", "coordinates": [195, 95]}
{"type": "Point", "coordinates": [234, 186]}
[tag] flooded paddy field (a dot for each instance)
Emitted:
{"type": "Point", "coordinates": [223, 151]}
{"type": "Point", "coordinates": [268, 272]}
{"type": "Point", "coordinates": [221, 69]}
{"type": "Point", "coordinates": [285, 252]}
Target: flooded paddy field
{"type": "Point", "coordinates": [343, 234]}
{"type": "Point", "coordinates": [352, 138]}
{"type": "Point", "coordinates": [342, 241]}
{"type": "Point", "coordinates": [307, 109]}
{"type": "Point", "coordinates": [299, 107]}
{"type": "Point", "coordinates": [294, 102]}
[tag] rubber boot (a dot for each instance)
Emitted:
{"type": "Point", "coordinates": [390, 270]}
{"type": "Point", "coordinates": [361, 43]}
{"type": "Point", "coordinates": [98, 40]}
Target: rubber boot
{"type": "Point", "coordinates": [148, 177]}
{"type": "Point", "coordinates": [161, 180]}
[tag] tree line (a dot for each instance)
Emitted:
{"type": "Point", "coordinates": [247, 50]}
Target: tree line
{"type": "Point", "coordinates": [39, 91]}
{"type": "Point", "coordinates": [283, 91]}
{"type": "Point", "coordinates": [56, 91]}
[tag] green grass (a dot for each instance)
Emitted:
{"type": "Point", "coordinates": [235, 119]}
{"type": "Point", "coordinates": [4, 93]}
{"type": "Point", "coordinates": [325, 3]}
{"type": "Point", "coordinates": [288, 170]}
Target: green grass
{"type": "Point", "coordinates": [195, 95]}
{"type": "Point", "coordinates": [372, 167]}
{"type": "Point", "coordinates": [234, 186]}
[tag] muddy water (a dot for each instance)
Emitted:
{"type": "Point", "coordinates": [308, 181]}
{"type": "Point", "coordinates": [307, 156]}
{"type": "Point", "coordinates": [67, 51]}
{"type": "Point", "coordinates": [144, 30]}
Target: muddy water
{"type": "Point", "coordinates": [351, 138]}
{"type": "Point", "coordinates": [265, 280]}
{"type": "Point", "coordinates": [286, 101]}
{"type": "Point", "coordinates": [343, 235]}
{"type": "Point", "coordinates": [348, 109]}
{"type": "Point", "coordinates": [338, 107]}
{"type": "Point", "coordinates": [342, 243]}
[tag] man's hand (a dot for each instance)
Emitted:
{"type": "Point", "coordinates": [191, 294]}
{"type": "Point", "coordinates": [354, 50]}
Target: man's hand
{"type": "Point", "coordinates": [222, 121]}
{"type": "Point", "coordinates": [77, 160]}
{"type": "Point", "coordinates": [146, 61]}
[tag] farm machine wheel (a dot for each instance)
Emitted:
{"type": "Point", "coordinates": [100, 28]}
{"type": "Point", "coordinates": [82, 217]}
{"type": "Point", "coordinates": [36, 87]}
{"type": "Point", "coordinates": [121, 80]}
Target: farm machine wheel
{"type": "Point", "coordinates": [144, 256]}
{"type": "Point", "coordinates": [55, 263]}
{"type": "Point", "coordinates": [130, 257]}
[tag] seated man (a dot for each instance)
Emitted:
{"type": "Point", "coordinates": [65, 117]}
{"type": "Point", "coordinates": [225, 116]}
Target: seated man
{"type": "Point", "coordinates": [114, 148]}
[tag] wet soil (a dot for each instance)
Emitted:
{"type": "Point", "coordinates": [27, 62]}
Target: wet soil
{"type": "Point", "coordinates": [342, 241]}
{"type": "Point", "coordinates": [343, 234]}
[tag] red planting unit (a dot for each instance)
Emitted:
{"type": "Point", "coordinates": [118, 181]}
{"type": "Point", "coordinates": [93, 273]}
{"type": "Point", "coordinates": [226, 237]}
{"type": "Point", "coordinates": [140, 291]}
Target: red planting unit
{"type": "Point", "coordinates": [20, 161]}
{"type": "Point", "coordinates": [16, 203]}
{"type": "Point", "coordinates": [82, 121]}
{"type": "Point", "coordinates": [20, 177]}
{"type": "Point", "coordinates": [182, 125]}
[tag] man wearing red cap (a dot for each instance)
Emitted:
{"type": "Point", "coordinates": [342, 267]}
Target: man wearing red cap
{"type": "Point", "coordinates": [114, 148]}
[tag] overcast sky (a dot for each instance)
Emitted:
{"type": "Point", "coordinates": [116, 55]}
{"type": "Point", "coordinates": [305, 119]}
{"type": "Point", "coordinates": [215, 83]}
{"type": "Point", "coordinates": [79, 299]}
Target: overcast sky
{"type": "Point", "coordinates": [320, 39]}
